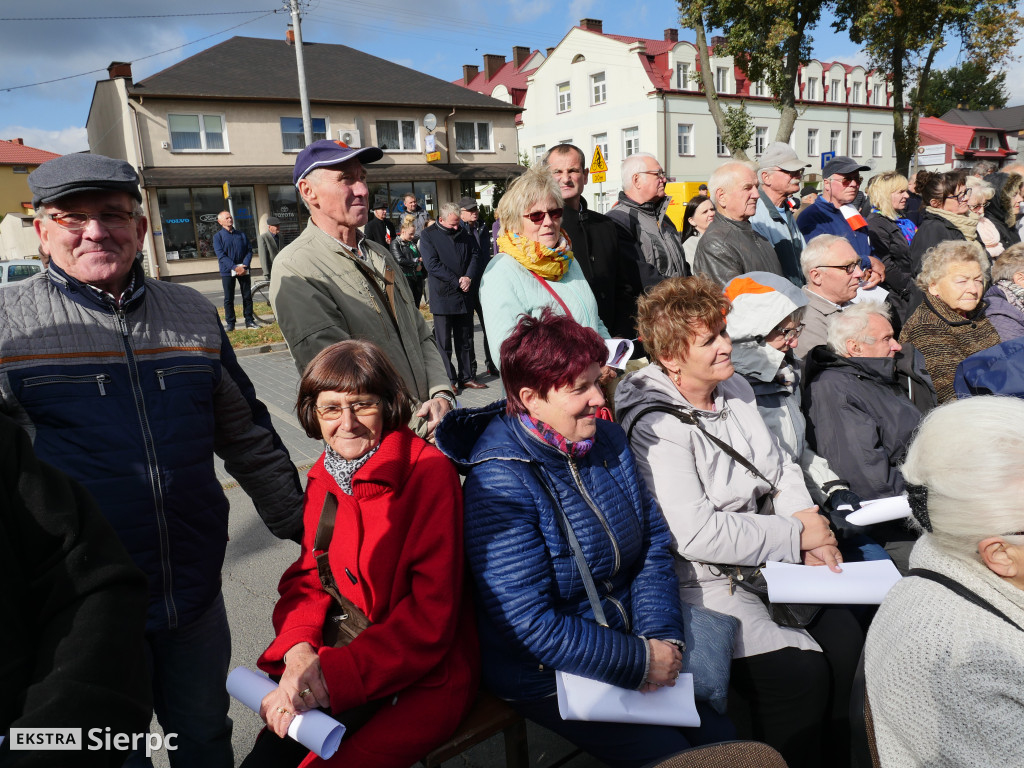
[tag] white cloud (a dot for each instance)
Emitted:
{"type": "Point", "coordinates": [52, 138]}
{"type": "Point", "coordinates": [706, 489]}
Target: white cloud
{"type": "Point", "coordinates": [64, 141]}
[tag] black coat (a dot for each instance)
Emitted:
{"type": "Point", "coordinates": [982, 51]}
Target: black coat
{"type": "Point", "coordinates": [449, 254]}
{"type": "Point", "coordinates": [933, 230]}
{"type": "Point", "coordinates": [612, 273]}
{"type": "Point", "coordinates": [380, 231]}
{"type": "Point", "coordinates": [891, 248]}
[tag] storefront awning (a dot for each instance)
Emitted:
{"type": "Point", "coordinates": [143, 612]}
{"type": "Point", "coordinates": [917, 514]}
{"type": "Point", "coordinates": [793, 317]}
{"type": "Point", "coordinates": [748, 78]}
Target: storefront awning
{"type": "Point", "coordinates": [209, 176]}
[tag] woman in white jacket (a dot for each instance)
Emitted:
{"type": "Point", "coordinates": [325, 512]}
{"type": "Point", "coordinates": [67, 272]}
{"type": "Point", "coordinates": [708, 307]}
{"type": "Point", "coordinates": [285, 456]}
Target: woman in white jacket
{"type": "Point", "coordinates": [790, 687]}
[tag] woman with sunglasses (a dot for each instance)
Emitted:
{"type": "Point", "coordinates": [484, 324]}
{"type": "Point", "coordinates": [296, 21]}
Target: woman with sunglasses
{"type": "Point", "coordinates": [946, 215]}
{"type": "Point", "coordinates": [534, 267]}
{"type": "Point", "coordinates": [386, 507]}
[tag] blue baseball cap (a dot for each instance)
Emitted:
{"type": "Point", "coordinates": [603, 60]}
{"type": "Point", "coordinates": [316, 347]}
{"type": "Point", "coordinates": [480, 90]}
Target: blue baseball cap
{"type": "Point", "coordinates": [327, 152]}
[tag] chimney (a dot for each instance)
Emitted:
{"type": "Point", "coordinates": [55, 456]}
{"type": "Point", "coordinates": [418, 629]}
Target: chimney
{"type": "Point", "coordinates": [520, 53]}
{"type": "Point", "coordinates": [549, 51]}
{"type": "Point", "coordinates": [289, 35]}
{"type": "Point", "coordinates": [671, 35]}
{"type": "Point", "coordinates": [119, 69]}
{"type": "Point", "coordinates": [20, 142]}
{"type": "Point", "coordinates": [492, 63]}
{"type": "Point", "coordinates": [593, 25]}
{"type": "Point", "coordinates": [469, 71]}
{"type": "Point", "coordinates": [717, 40]}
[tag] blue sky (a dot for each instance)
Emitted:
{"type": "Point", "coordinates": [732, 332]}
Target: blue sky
{"type": "Point", "coordinates": [436, 38]}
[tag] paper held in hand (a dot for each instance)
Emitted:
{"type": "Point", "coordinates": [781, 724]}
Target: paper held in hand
{"type": "Point", "coordinates": [619, 352]}
{"type": "Point", "coordinates": [580, 698]}
{"type": "Point", "coordinates": [879, 510]}
{"type": "Point", "coordinates": [314, 730]}
{"type": "Point", "coordinates": [859, 584]}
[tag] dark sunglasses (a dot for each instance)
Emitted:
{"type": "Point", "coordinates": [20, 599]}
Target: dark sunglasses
{"type": "Point", "coordinates": [537, 217]}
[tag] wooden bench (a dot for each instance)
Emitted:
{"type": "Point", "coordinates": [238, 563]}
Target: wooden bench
{"type": "Point", "coordinates": [488, 717]}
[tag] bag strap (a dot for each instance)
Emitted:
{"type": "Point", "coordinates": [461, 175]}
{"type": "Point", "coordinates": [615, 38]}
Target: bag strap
{"type": "Point", "coordinates": [386, 296]}
{"type": "Point", "coordinates": [967, 594]}
{"type": "Point", "coordinates": [577, 550]}
{"type": "Point", "coordinates": [688, 418]}
{"type": "Point", "coordinates": [550, 290]}
{"type": "Point", "coordinates": [321, 547]}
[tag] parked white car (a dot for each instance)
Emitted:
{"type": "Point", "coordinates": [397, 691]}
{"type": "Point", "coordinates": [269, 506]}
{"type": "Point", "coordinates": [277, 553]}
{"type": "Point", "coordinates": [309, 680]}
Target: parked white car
{"type": "Point", "coordinates": [18, 269]}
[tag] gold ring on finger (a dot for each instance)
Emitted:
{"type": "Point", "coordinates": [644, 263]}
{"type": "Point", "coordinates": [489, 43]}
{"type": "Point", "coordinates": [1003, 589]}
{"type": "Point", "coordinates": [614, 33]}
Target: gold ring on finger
{"type": "Point", "coordinates": [304, 692]}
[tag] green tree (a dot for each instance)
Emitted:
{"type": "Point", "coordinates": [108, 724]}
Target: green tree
{"type": "Point", "coordinates": [970, 85]}
{"type": "Point", "coordinates": [768, 40]}
{"type": "Point", "coordinates": [739, 127]}
{"type": "Point", "coordinates": [902, 38]}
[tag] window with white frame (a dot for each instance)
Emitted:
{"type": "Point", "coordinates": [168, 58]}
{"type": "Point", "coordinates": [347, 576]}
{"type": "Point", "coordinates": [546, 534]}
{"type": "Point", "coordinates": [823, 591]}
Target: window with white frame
{"type": "Point", "coordinates": [760, 139]}
{"type": "Point", "coordinates": [684, 139]}
{"type": "Point", "coordinates": [720, 148]}
{"type": "Point", "coordinates": [197, 133]}
{"type": "Point", "coordinates": [760, 89]}
{"type": "Point", "coordinates": [876, 95]}
{"type": "Point", "coordinates": [812, 89]}
{"type": "Point", "coordinates": [293, 137]}
{"type": "Point", "coordinates": [538, 154]}
{"type": "Point", "coordinates": [812, 142]}
{"type": "Point", "coordinates": [472, 137]}
{"type": "Point", "coordinates": [855, 144]}
{"type": "Point", "coordinates": [600, 140]}
{"type": "Point", "coordinates": [876, 144]}
{"type": "Point", "coordinates": [397, 135]}
{"type": "Point", "coordinates": [833, 92]}
{"type": "Point", "coordinates": [598, 88]}
{"type": "Point", "coordinates": [564, 97]}
{"type": "Point", "coordinates": [834, 139]}
{"type": "Point", "coordinates": [630, 141]}
{"type": "Point", "coordinates": [856, 93]}
{"type": "Point", "coordinates": [683, 76]}
{"type": "Point", "coordinates": [722, 79]}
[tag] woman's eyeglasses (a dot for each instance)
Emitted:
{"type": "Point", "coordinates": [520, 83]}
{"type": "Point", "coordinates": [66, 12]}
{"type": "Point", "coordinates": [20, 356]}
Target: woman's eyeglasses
{"type": "Point", "coordinates": [333, 412]}
{"type": "Point", "coordinates": [790, 333]}
{"type": "Point", "coordinates": [962, 196]}
{"type": "Point", "coordinates": [537, 217]}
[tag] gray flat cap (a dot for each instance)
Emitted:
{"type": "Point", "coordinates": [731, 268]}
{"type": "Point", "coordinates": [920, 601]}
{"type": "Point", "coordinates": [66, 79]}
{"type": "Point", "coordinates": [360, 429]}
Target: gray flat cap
{"type": "Point", "coordinates": [79, 172]}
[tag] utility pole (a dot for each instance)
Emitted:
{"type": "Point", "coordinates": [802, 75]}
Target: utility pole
{"type": "Point", "coordinates": [307, 124]}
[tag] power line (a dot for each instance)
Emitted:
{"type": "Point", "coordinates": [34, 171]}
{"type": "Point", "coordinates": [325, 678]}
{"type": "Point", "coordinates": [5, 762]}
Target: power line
{"type": "Point", "coordinates": [153, 16]}
{"type": "Point", "coordinates": [140, 58]}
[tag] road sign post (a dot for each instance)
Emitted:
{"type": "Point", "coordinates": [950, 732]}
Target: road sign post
{"type": "Point", "coordinates": [598, 167]}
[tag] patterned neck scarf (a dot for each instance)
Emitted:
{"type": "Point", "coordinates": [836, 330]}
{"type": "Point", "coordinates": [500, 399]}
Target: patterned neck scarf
{"type": "Point", "coordinates": [343, 470]}
{"type": "Point", "coordinates": [555, 439]}
{"type": "Point", "coordinates": [551, 264]}
{"type": "Point", "coordinates": [1013, 293]}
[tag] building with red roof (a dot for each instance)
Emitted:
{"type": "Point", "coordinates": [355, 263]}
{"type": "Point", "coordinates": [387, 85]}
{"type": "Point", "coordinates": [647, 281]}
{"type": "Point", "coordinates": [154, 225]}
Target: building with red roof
{"type": "Point", "coordinates": [943, 146]}
{"type": "Point", "coordinates": [17, 161]}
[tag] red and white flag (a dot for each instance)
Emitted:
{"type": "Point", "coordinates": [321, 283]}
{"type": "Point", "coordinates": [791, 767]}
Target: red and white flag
{"type": "Point", "coordinates": [853, 217]}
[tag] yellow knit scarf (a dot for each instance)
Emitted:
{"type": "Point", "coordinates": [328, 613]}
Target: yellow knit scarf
{"type": "Point", "coordinates": [966, 223]}
{"type": "Point", "coordinates": [549, 263]}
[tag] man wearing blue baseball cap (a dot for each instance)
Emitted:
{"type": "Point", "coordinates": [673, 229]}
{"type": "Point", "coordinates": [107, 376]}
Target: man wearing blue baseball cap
{"type": "Point", "coordinates": [331, 283]}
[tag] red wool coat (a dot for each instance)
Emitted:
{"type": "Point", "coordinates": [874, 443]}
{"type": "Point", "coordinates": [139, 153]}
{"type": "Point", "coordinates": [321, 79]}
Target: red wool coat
{"type": "Point", "coordinates": [400, 536]}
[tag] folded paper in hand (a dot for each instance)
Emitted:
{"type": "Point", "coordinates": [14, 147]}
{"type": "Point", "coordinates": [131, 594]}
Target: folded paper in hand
{"type": "Point", "coordinates": [619, 352]}
{"type": "Point", "coordinates": [580, 698]}
{"type": "Point", "coordinates": [859, 584]}
{"type": "Point", "coordinates": [314, 730]}
{"type": "Point", "coordinates": [880, 511]}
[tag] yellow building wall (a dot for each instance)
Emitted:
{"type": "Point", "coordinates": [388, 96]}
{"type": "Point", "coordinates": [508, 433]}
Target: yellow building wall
{"type": "Point", "coordinates": [14, 190]}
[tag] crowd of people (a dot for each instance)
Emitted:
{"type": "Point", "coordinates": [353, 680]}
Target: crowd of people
{"type": "Point", "coordinates": [790, 362]}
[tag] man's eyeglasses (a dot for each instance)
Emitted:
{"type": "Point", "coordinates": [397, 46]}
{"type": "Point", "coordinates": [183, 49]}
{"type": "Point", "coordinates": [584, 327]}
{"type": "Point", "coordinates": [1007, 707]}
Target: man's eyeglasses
{"type": "Point", "coordinates": [537, 217]}
{"type": "Point", "coordinates": [333, 412]}
{"type": "Point", "coordinates": [847, 268]}
{"type": "Point", "coordinates": [846, 180]}
{"type": "Point", "coordinates": [790, 333]}
{"type": "Point", "coordinates": [965, 195]}
{"type": "Point", "coordinates": [798, 173]}
{"type": "Point", "coordinates": [76, 221]}
{"type": "Point", "coordinates": [659, 174]}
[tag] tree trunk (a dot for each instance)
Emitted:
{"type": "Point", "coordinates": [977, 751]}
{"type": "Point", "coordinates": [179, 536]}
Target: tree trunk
{"type": "Point", "coordinates": [787, 99]}
{"type": "Point", "coordinates": [708, 83]}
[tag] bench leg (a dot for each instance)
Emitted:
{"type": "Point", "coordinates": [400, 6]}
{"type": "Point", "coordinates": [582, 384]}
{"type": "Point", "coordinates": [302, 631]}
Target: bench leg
{"type": "Point", "coordinates": [516, 751]}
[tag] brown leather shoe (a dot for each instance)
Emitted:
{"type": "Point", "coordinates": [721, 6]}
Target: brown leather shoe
{"type": "Point", "coordinates": [473, 384]}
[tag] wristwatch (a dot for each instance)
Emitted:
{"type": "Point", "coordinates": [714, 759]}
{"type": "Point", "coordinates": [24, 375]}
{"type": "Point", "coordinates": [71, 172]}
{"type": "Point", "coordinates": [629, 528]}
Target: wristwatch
{"type": "Point", "coordinates": [449, 397]}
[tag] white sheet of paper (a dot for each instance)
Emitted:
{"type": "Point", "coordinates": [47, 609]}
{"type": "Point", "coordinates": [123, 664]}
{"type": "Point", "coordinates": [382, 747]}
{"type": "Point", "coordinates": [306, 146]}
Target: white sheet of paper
{"type": "Point", "coordinates": [314, 730]}
{"type": "Point", "coordinates": [878, 293]}
{"type": "Point", "coordinates": [580, 698]}
{"type": "Point", "coordinates": [859, 584]}
{"type": "Point", "coordinates": [880, 511]}
{"type": "Point", "coordinates": [619, 352]}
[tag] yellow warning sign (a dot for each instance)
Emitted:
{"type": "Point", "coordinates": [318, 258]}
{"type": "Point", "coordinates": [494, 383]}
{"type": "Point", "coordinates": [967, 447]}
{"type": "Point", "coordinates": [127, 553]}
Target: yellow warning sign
{"type": "Point", "coordinates": [598, 165]}
{"type": "Point", "coordinates": [598, 178]}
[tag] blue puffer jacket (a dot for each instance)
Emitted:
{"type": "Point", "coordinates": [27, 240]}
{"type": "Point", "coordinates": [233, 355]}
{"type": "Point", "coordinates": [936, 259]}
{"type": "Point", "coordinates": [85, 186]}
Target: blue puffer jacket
{"type": "Point", "coordinates": [533, 611]}
{"type": "Point", "coordinates": [998, 370]}
{"type": "Point", "coordinates": [133, 404]}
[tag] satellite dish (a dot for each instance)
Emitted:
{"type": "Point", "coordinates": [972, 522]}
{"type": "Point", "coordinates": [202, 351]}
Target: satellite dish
{"type": "Point", "coordinates": [429, 121]}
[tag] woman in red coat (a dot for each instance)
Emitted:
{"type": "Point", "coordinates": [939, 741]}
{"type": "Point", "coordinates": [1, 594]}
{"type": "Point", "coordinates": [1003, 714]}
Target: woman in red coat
{"type": "Point", "coordinates": [396, 553]}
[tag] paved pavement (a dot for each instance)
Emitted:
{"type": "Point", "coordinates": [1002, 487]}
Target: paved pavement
{"type": "Point", "coordinates": [255, 561]}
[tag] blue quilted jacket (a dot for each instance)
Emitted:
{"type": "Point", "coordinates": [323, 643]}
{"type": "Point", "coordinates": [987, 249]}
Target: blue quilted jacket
{"type": "Point", "coordinates": [533, 612]}
{"type": "Point", "coordinates": [133, 404]}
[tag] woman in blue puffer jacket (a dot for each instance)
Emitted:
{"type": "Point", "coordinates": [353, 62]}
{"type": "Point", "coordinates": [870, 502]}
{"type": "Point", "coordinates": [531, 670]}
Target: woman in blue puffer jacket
{"type": "Point", "coordinates": [528, 461]}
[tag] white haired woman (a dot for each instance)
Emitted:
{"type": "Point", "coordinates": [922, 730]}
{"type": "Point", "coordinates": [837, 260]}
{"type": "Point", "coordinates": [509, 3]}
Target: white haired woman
{"type": "Point", "coordinates": [1006, 296]}
{"type": "Point", "coordinates": [945, 654]}
{"type": "Point", "coordinates": [950, 324]}
{"type": "Point", "coordinates": [534, 267]}
{"type": "Point", "coordinates": [981, 197]}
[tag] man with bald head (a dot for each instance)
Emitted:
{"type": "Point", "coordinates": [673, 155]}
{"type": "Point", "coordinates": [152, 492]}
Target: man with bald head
{"type": "Point", "coordinates": [730, 246]}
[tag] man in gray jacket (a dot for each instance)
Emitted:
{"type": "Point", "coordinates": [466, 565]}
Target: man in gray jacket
{"type": "Point", "coordinates": [730, 246]}
{"type": "Point", "coordinates": [779, 172]}
{"type": "Point", "coordinates": [833, 273]}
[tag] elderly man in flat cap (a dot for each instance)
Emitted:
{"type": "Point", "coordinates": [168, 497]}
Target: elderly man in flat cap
{"type": "Point", "coordinates": [269, 245]}
{"type": "Point", "coordinates": [332, 283]}
{"type": "Point", "coordinates": [130, 386]}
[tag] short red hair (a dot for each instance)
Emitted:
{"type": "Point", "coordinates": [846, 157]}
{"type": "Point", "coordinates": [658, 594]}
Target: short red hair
{"type": "Point", "coordinates": [545, 353]}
